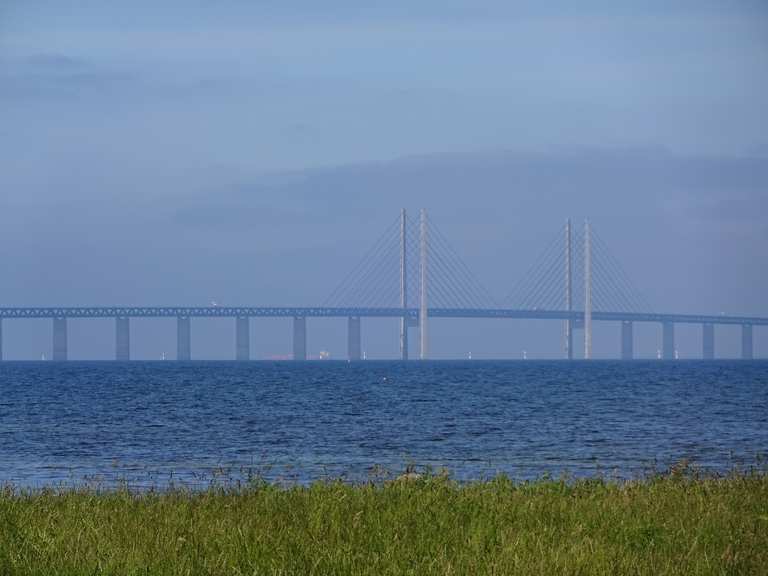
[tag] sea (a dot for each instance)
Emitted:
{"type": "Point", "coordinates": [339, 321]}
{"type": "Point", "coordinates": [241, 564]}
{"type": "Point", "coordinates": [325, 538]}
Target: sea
{"type": "Point", "coordinates": [165, 424]}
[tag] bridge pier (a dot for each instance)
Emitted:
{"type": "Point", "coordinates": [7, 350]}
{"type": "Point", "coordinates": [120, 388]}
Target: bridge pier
{"type": "Point", "coordinates": [404, 324]}
{"type": "Point", "coordinates": [354, 339]}
{"type": "Point", "coordinates": [627, 340]}
{"type": "Point", "coordinates": [708, 341]}
{"type": "Point", "coordinates": [183, 339]}
{"type": "Point", "coordinates": [242, 339]}
{"type": "Point", "coordinates": [122, 339]}
{"type": "Point", "coordinates": [1, 339]}
{"type": "Point", "coordinates": [668, 341]}
{"type": "Point", "coordinates": [300, 338]}
{"type": "Point", "coordinates": [569, 326]}
{"type": "Point", "coordinates": [747, 342]}
{"type": "Point", "coordinates": [59, 339]}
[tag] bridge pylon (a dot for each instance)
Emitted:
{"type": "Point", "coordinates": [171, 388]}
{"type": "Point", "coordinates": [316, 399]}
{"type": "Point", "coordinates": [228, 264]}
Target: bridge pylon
{"type": "Point", "coordinates": [568, 289]}
{"type": "Point", "coordinates": [405, 320]}
{"type": "Point", "coordinates": [423, 287]}
{"type": "Point", "coordinates": [587, 291]}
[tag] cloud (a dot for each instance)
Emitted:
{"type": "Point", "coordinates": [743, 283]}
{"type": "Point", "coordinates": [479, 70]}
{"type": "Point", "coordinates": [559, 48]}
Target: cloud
{"type": "Point", "coordinates": [57, 63]}
{"type": "Point", "coordinates": [52, 75]}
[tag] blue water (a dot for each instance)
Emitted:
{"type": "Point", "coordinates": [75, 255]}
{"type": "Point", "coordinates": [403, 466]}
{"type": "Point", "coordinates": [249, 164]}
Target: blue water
{"type": "Point", "coordinates": [161, 422]}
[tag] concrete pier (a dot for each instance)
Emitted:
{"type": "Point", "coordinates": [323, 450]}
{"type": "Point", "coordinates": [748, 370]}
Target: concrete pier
{"type": "Point", "coordinates": [122, 339]}
{"type": "Point", "coordinates": [627, 340]}
{"type": "Point", "coordinates": [183, 339]}
{"type": "Point", "coordinates": [747, 342]}
{"type": "Point", "coordinates": [300, 338]}
{"type": "Point", "coordinates": [242, 339]}
{"type": "Point", "coordinates": [354, 339]}
{"type": "Point", "coordinates": [708, 341]}
{"type": "Point", "coordinates": [668, 341]}
{"type": "Point", "coordinates": [59, 339]}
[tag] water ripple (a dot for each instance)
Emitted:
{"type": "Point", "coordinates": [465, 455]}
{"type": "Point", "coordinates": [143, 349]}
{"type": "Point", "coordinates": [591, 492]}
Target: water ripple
{"type": "Point", "coordinates": [155, 423]}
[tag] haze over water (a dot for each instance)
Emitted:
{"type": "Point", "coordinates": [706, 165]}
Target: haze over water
{"type": "Point", "coordinates": [153, 423]}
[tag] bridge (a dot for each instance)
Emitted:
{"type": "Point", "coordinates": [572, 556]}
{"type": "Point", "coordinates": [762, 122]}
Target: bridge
{"type": "Point", "coordinates": [412, 274]}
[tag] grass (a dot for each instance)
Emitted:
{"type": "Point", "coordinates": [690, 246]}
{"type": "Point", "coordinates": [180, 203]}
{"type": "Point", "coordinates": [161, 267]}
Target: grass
{"type": "Point", "coordinates": [672, 524]}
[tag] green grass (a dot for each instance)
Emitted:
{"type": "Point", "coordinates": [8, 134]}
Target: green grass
{"type": "Point", "coordinates": [675, 524]}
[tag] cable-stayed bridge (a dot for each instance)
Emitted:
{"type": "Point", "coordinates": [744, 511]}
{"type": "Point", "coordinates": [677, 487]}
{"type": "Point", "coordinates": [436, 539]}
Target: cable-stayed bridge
{"type": "Point", "coordinates": [412, 274]}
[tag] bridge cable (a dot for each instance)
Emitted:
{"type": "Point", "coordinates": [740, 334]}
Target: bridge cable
{"type": "Point", "coordinates": [342, 289]}
{"type": "Point", "coordinates": [531, 279]}
{"type": "Point", "coordinates": [480, 292]}
{"type": "Point", "coordinates": [622, 277]}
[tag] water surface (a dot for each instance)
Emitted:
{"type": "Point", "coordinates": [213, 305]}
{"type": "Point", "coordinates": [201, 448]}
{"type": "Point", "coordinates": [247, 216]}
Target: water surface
{"type": "Point", "coordinates": [153, 422]}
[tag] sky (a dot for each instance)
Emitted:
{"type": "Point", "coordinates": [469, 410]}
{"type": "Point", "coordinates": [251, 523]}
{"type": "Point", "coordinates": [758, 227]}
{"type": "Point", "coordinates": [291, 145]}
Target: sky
{"type": "Point", "coordinates": [250, 152]}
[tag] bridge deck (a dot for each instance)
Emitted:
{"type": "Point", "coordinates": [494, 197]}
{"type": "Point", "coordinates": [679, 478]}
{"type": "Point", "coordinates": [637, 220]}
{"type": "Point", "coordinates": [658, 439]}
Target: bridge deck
{"type": "Point", "coordinates": [325, 312]}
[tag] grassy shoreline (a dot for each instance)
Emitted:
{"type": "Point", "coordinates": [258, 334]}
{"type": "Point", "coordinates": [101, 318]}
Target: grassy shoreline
{"type": "Point", "coordinates": [670, 524]}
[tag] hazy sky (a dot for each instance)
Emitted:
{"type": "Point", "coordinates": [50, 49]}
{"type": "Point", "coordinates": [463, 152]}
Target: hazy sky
{"type": "Point", "coordinates": [177, 152]}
